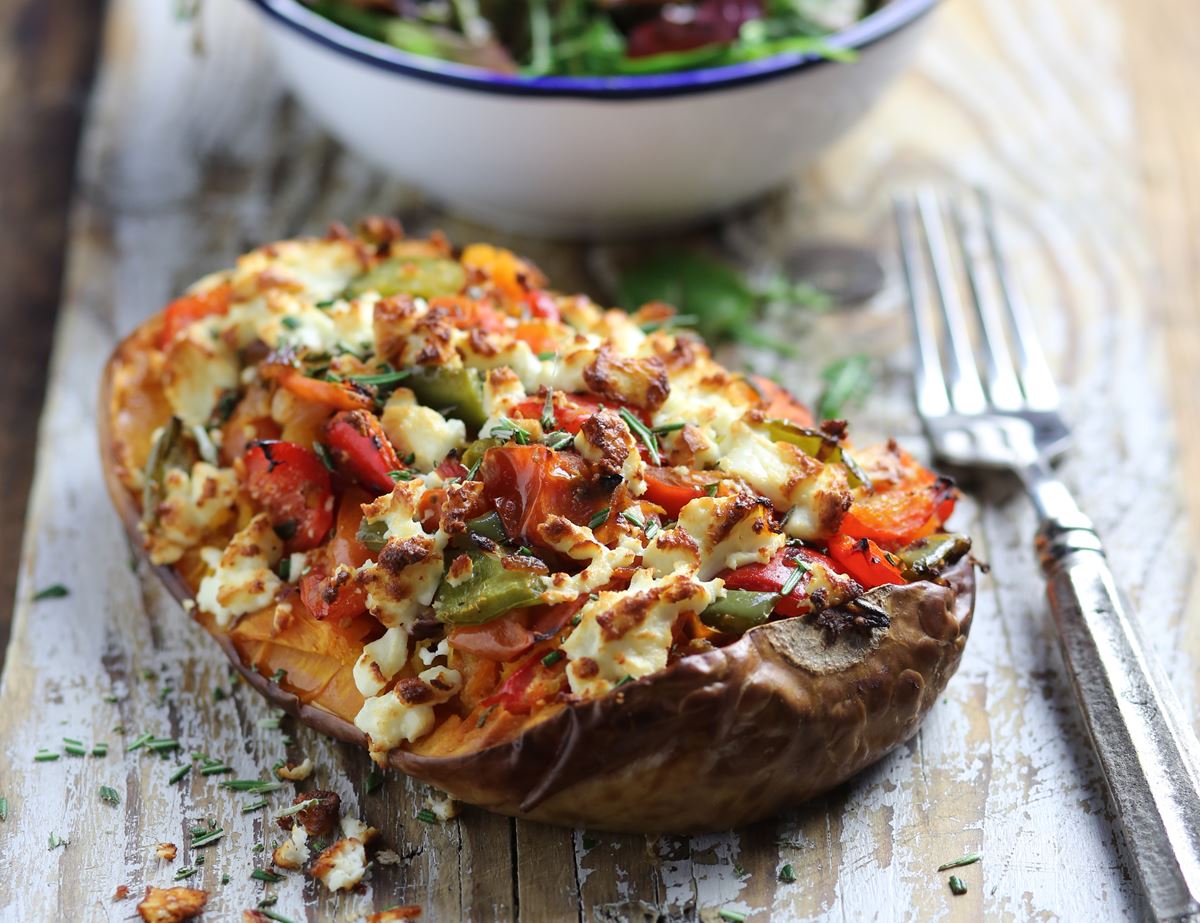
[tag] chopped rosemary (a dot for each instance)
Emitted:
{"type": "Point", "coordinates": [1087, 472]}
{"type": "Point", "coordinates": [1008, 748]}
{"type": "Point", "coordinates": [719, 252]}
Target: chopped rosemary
{"type": "Point", "coordinates": [44, 756]}
{"type": "Point", "coordinates": [179, 773]}
{"type": "Point", "coordinates": [549, 420]}
{"type": "Point", "coordinates": [787, 874]}
{"type": "Point", "coordinates": [487, 713]}
{"type": "Point", "coordinates": [957, 885]}
{"type": "Point", "coordinates": [255, 786]}
{"type": "Point", "coordinates": [266, 875]}
{"type": "Point", "coordinates": [162, 744]}
{"type": "Point", "coordinates": [3, 809]}
{"type": "Point", "coordinates": [298, 807]}
{"type": "Point", "coordinates": [75, 749]}
{"type": "Point", "coordinates": [652, 529]}
{"type": "Point", "coordinates": [284, 570]}
{"type": "Point", "coordinates": [559, 439]}
{"type": "Point", "coordinates": [384, 380]}
{"type": "Point", "coordinates": [799, 569]}
{"type": "Point", "coordinates": [255, 806]}
{"type": "Point", "coordinates": [72, 740]}
{"type": "Point", "coordinates": [291, 323]}
{"type": "Point", "coordinates": [374, 781]}
{"type": "Point", "coordinates": [427, 816]}
{"type": "Point", "coordinates": [633, 519]}
{"type": "Point", "coordinates": [186, 872]}
{"type": "Point", "coordinates": [323, 454]}
{"type": "Point", "coordinates": [57, 841]}
{"type": "Point", "coordinates": [54, 591]}
{"type": "Point", "coordinates": [109, 795]}
{"type": "Point", "coordinates": [623, 680]}
{"type": "Point", "coordinates": [204, 839]}
{"type": "Point", "coordinates": [100, 748]}
{"type": "Point", "coordinates": [278, 676]}
{"type": "Point", "coordinates": [401, 475]}
{"type": "Point", "coordinates": [547, 355]}
{"type": "Point", "coordinates": [639, 429]}
{"type": "Point", "coordinates": [711, 489]}
{"type": "Point", "coordinates": [139, 742]}
{"type": "Point", "coordinates": [599, 519]}
{"type": "Point", "coordinates": [668, 428]}
{"type": "Point", "coordinates": [968, 859]}
{"type": "Point", "coordinates": [215, 769]}
{"type": "Point", "coordinates": [512, 430]}
{"type": "Point", "coordinates": [474, 469]}
{"type": "Point", "coordinates": [272, 915]}
{"type": "Point", "coordinates": [678, 320]}
{"type": "Point", "coordinates": [733, 916]}
{"type": "Point", "coordinates": [552, 658]}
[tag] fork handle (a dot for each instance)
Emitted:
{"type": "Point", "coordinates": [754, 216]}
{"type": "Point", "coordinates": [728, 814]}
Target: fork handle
{"type": "Point", "coordinates": [1147, 750]}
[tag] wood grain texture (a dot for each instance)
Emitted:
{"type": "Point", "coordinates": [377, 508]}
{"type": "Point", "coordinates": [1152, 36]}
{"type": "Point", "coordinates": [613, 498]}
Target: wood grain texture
{"type": "Point", "coordinates": [46, 56]}
{"type": "Point", "coordinates": [189, 160]}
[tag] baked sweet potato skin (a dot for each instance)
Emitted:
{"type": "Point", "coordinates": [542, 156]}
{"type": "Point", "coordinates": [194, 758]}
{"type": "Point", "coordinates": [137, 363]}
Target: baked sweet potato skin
{"type": "Point", "coordinates": [716, 740]}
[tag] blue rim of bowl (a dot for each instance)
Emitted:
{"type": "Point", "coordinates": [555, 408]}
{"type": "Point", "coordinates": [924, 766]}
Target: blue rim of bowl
{"type": "Point", "coordinates": [888, 19]}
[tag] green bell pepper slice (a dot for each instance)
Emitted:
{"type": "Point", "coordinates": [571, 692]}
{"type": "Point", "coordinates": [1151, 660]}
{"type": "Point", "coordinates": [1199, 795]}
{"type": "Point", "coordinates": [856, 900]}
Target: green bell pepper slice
{"type": "Point", "coordinates": [927, 557]}
{"type": "Point", "coordinates": [739, 610]}
{"type": "Point", "coordinates": [459, 392]}
{"type": "Point", "coordinates": [816, 444]}
{"type": "Point", "coordinates": [490, 591]}
{"type": "Point", "coordinates": [427, 278]}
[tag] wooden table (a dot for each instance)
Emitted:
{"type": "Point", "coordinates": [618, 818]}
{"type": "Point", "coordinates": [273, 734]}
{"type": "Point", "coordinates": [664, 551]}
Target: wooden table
{"type": "Point", "coordinates": [1083, 125]}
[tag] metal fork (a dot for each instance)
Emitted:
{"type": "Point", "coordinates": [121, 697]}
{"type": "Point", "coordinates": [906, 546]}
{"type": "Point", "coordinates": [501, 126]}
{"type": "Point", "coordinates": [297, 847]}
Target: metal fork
{"type": "Point", "coordinates": [1148, 753]}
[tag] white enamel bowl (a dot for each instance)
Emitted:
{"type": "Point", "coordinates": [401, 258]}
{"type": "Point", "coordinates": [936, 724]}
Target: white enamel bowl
{"type": "Point", "coordinates": [586, 156]}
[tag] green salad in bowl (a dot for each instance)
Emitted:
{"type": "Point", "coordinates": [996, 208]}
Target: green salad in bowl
{"type": "Point", "coordinates": [599, 37]}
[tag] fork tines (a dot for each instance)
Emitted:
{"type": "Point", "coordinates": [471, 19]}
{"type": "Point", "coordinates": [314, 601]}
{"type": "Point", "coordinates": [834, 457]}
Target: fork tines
{"type": "Point", "coordinates": [965, 264]}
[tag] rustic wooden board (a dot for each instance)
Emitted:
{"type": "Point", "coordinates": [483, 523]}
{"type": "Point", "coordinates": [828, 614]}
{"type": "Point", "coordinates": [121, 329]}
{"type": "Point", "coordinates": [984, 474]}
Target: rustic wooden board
{"type": "Point", "coordinates": [190, 159]}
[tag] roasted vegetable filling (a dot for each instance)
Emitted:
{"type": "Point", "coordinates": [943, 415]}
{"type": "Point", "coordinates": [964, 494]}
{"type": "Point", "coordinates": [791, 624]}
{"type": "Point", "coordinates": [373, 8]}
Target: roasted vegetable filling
{"type": "Point", "coordinates": [428, 494]}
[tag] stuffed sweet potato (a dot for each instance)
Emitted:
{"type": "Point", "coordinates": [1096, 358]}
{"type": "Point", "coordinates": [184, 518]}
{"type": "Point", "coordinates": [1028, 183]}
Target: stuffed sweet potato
{"type": "Point", "coordinates": [551, 559]}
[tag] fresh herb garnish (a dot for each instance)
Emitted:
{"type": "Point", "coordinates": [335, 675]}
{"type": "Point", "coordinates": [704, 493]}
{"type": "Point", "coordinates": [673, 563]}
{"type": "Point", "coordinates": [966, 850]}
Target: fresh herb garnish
{"type": "Point", "coordinates": [209, 836]}
{"type": "Point", "coordinates": [278, 676]}
{"type": "Point", "coordinates": [402, 475]}
{"type": "Point", "coordinates": [652, 529]}
{"type": "Point", "coordinates": [957, 886]}
{"type": "Point", "coordinates": [510, 430]}
{"type": "Point", "coordinates": [547, 355]}
{"type": "Point", "coordinates": [787, 874]}
{"type": "Point", "coordinates": [847, 382]}
{"type": "Point", "coordinates": [384, 380]}
{"type": "Point", "coordinates": [255, 786]}
{"type": "Point", "coordinates": [599, 519]}
{"type": "Point", "coordinates": [639, 429]}
{"type": "Point", "coordinates": [185, 872]}
{"type": "Point", "coordinates": [179, 773]}
{"type": "Point", "coordinates": [140, 741]}
{"type": "Point", "coordinates": [266, 875]}
{"type": "Point", "coordinates": [676, 320]}
{"type": "Point", "coordinates": [291, 323]}
{"type": "Point", "coordinates": [623, 680]}
{"type": "Point", "coordinates": [255, 806]}
{"type": "Point", "coordinates": [109, 795]}
{"type": "Point", "coordinates": [215, 769]}
{"type": "Point", "coordinates": [733, 916]}
{"type": "Point", "coordinates": [374, 782]}
{"type": "Point", "coordinates": [426, 816]}
{"type": "Point", "coordinates": [57, 841]}
{"type": "Point", "coordinates": [552, 658]}
{"type": "Point", "coordinates": [44, 756]}
{"type": "Point", "coordinates": [668, 428]}
{"type": "Point", "coordinates": [559, 439]}
{"type": "Point", "coordinates": [272, 915]}
{"type": "Point", "coordinates": [323, 454]}
{"type": "Point", "coordinates": [633, 519]}
{"type": "Point", "coordinates": [54, 591]}
{"type": "Point", "coordinates": [549, 420]}
{"type": "Point", "coordinates": [711, 489]}
{"type": "Point", "coordinates": [799, 569]}
{"type": "Point", "coordinates": [487, 713]}
{"type": "Point", "coordinates": [968, 859]}
{"type": "Point", "coordinates": [298, 807]}
{"type": "Point", "coordinates": [3, 809]}
{"type": "Point", "coordinates": [100, 748]}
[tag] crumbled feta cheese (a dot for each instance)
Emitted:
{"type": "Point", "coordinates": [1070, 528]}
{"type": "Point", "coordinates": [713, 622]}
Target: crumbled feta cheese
{"type": "Point", "coordinates": [627, 633]}
{"type": "Point", "coordinates": [194, 377]}
{"type": "Point", "coordinates": [421, 431]}
{"type": "Point", "coordinates": [243, 577]}
{"type": "Point", "coordinates": [296, 773]}
{"type": "Point", "coordinates": [342, 865]}
{"type": "Point", "coordinates": [292, 853]}
{"type": "Point", "coordinates": [381, 660]}
{"type": "Point", "coordinates": [193, 506]}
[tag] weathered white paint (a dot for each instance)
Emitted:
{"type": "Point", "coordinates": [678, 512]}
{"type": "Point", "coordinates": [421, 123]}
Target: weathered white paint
{"type": "Point", "coordinates": [188, 160]}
